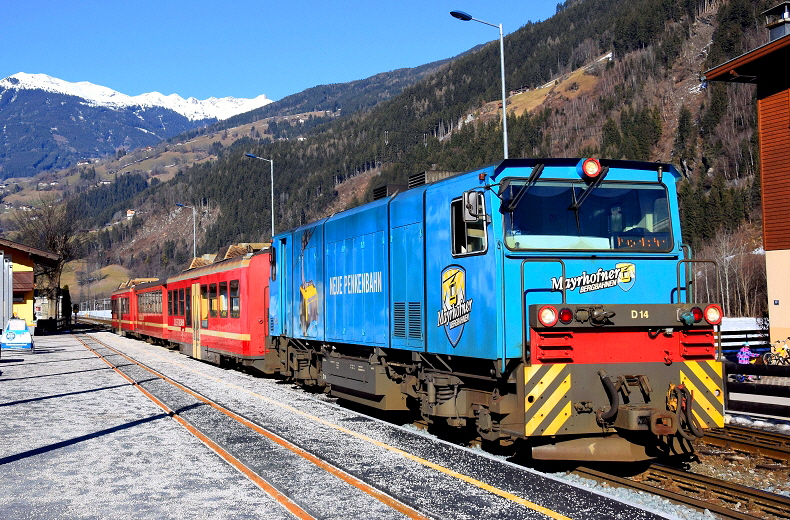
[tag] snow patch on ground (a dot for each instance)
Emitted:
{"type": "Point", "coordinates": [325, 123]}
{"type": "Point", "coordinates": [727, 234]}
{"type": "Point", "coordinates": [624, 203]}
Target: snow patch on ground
{"type": "Point", "coordinates": [739, 324]}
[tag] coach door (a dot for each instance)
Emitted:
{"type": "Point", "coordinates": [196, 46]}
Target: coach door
{"type": "Point", "coordinates": [197, 319]}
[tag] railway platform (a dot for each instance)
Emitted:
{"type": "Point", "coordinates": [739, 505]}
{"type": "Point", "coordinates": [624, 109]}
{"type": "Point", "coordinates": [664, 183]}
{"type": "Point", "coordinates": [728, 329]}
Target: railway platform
{"type": "Point", "coordinates": [81, 439]}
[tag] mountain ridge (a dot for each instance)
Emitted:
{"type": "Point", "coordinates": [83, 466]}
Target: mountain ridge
{"type": "Point", "coordinates": [98, 95]}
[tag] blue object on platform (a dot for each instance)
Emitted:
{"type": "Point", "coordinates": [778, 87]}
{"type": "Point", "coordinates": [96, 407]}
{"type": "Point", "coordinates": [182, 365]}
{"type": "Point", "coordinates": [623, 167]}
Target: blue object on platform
{"type": "Point", "coordinates": [16, 335]}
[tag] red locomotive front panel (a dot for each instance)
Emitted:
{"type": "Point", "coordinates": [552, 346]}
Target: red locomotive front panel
{"type": "Point", "coordinates": [651, 370]}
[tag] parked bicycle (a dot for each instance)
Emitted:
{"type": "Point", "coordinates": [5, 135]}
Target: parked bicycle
{"type": "Point", "coordinates": [779, 354]}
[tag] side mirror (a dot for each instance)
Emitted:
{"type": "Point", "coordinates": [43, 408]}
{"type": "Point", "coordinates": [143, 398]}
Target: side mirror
{"type": "Point", "coordinates": [472, 206]}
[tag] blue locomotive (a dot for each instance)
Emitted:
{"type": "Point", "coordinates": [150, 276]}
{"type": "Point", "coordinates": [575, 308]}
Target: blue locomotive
{"type": "Point", "coordinates": [546, 302]}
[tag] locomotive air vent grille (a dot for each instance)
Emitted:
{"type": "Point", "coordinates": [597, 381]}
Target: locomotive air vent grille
{"type": "Point", "coordinates": [399, 322]}
{"type": "Point", "coordinates": [428, 177]}
{"type": "Point", "coordinates": [415, 320]}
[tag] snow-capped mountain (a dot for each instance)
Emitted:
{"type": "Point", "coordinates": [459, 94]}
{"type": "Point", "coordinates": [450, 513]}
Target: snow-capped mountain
{"type": "Point", "coordinates": [96, 95]}
{"type": "Point", "coordinates": [50, 124]}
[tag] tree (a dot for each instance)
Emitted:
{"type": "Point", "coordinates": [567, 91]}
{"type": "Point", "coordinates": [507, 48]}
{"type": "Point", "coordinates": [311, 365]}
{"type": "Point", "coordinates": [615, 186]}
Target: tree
{"type": "Point", "coordinates": [53, 226]}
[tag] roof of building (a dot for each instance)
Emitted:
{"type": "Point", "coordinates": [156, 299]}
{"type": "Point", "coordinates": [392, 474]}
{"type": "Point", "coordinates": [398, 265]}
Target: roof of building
{"type": "Point", "coordinates": [39, 256]}
{"type": "Point", "coordinates": [767, 59]}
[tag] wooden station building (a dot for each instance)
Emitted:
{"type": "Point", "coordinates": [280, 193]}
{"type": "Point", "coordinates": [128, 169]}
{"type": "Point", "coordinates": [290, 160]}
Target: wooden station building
{"type": "Point", "coordinates": [768, 67]}
{"type": "Point", "coordinates": [24, 260]}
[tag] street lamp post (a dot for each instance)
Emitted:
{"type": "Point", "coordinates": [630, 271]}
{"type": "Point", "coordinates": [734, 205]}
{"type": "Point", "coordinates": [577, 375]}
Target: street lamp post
{"type": "Point", "coordinates": [467, 17]}
{"type": "Point", "coordinates": [194, 228]}
{"type": "Point", "coordinates": [271, 173]}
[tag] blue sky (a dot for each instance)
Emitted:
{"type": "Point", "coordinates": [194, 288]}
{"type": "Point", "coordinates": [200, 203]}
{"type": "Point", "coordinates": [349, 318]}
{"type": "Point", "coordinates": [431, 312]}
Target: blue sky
{"type": "Point", "coordinates": [242, 48]}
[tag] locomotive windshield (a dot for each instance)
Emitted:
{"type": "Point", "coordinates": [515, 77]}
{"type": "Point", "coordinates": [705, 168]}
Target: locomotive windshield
{"type": "Point", "coordinates": [615, 216]}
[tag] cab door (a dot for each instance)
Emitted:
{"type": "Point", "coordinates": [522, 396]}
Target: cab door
{"type": "Point", "coordinates": [460, 276]}
{"type": "Point", "coordinates": [198, 322]}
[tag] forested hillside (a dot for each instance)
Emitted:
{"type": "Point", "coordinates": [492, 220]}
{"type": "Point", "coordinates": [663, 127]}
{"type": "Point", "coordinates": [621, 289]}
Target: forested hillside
{"type": "Point", "coordinates": [647, 103]}
{"type": "Point", "coordinates": [336, 99]}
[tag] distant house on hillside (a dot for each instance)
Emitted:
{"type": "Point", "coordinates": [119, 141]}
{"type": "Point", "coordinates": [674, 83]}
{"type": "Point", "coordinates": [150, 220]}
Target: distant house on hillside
{"type": "Point", "coordinates": [129, 214]}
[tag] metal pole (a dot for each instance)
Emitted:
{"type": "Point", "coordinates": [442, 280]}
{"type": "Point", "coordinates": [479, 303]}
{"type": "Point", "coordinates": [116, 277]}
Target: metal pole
{"type": "Point", "coordinates": [194, 234]}
{"type": "Point", "coordinates": [271, 170]}
{"type": "Point", "coordinates": [504, 97]}
{"type": "Point", "coordinates": [465, 17]}
{"type": "Point", "coordinates": [271, 163]}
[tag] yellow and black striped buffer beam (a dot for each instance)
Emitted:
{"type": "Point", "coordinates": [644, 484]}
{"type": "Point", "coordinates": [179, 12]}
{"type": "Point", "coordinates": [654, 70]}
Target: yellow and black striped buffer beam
{"type": "Point", "coordinates": [547, 405]}
{"type": "Point", "coordinates": [705, 381]}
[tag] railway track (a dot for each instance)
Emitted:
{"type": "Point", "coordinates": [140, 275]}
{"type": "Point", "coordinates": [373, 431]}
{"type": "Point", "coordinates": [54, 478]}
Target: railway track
{"type": "Point", "coordinates": [105, 352]}
{"type": "Point", "coordinates": [774, 446]}
{"type": "Point", "coordinates": [411, 469]}
{"type": "Point", "coordinates": [726, 499]}
{"type": "Point", "coordinates": [678, 486]}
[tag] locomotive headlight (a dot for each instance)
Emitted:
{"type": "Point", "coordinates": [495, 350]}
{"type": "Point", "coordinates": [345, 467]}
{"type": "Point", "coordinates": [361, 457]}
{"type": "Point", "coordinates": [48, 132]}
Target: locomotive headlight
{"type": "Point", "coordinates": [547, 316]}
{"type": "Point", "coordinates": [713, 314]}
{"type": "Point", "coordinates": [697, 312]}
{"type": "Point", "coordinates": [591, 168]}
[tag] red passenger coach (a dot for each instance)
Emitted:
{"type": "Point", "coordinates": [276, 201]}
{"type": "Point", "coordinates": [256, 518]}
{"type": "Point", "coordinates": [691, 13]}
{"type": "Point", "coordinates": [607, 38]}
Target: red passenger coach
{"type": "Point", "coordinates": [151, 299]}
{"type": "Point", "coordinates": [124, 306]}
{"type": "Point", "coordinates": [220, 311]}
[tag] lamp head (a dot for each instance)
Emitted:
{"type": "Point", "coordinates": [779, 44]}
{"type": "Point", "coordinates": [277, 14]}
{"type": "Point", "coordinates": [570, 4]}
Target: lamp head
{"type": "Point", "coordinates": [461, 15]}
{"type": "Point", "coordinates": [251, 155]}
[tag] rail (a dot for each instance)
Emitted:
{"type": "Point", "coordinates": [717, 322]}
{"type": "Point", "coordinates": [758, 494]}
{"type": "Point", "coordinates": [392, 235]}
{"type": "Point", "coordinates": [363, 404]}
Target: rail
{"type": "Point", "coordinates": [774, 446]}
{"type": "Point", "coordinates": [699, 491]}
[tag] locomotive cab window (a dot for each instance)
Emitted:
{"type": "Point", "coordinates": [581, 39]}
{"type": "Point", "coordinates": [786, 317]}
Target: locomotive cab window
{"type": "Point", "coordinates": [468, 237]}
{"type": "Point", "coordinates": [614, 216]}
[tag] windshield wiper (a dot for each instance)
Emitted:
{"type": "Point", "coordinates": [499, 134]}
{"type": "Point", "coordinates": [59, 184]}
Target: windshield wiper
{"type": "Point", "coordinates": [577, 204]}
{"type": "Point", "coordinates": [531, 180]}
{"type": "Point", "coordinates": [586, 193]}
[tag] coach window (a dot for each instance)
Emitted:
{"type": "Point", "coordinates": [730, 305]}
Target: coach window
{"type": "Point", "coordinates": [180, 302]}
{"type": "Point", "coordinates": [468, 237]}
{"type": "Point", "coordinates": [223, 299]}
{"type": "Point", "coordinates": [235, 299]}
{"type": "Point", "coordinates": [204, 306]}
{"type": "Point", "coordinates": [188, 305]}
{"type": "Point", "coordinates": [212, 300]}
